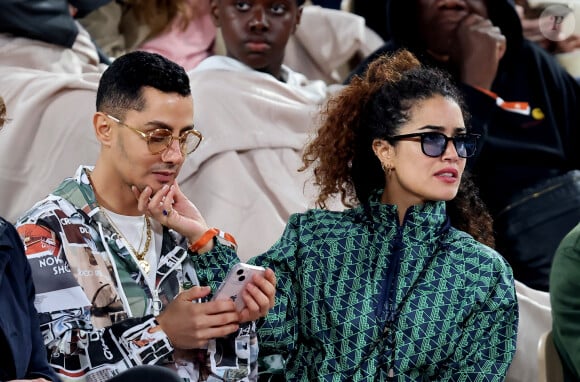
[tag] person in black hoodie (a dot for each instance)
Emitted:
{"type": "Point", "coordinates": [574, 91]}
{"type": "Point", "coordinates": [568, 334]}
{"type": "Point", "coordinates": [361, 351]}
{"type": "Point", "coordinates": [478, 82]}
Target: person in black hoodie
{"type": "Point", "coordinates": [525, 106]}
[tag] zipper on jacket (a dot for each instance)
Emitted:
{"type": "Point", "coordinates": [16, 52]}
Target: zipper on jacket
{"type": "Point", "coordinates": [530, 197]}
{"type": "Point", "coordinates": [390, 306]}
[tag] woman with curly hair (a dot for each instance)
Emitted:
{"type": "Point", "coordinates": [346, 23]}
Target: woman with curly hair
{"type": "Point", "coordinates": [390, 288]}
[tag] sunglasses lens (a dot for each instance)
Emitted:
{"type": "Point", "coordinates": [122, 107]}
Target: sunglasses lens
{"type": "Point", "coordinates": [433, 144]}
{"type": "Point", "coordinates": [465, 145]}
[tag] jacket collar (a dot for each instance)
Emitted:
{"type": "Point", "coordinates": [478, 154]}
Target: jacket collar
{"type": "Point", "coordinates": [424, 222]}
{"type": "Point", "coordinates": [79, 192]}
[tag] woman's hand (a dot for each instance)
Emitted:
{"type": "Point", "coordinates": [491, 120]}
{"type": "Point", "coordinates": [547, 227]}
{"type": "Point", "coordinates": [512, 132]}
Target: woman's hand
{"type": "Point", "coordinates": [170, 207]}
{"type": "Point", "coordinates": [259, 296]}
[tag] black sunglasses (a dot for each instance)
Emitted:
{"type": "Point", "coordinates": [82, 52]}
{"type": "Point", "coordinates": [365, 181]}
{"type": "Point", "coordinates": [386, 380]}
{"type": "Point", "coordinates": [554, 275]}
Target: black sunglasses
{"type": "Point", "coordinates": [434, 144]}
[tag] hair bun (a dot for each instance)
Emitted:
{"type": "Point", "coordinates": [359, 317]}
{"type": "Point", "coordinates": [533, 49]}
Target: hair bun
{"type": "Point", "coordinates": [391, 67]}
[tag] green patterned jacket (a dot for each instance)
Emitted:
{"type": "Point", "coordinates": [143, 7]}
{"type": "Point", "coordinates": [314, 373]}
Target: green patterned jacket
{"type": "Point", "coordinates": [362, 298]}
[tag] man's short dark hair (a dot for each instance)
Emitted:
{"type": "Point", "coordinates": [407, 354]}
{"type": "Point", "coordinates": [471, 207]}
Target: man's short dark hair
{"type": "Point", "coordinates": [121, 85]}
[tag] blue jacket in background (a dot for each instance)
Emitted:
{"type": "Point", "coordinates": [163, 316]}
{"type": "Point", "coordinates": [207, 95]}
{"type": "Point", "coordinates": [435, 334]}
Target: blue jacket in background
{"type": "Point", "coordinates": [21, 344]}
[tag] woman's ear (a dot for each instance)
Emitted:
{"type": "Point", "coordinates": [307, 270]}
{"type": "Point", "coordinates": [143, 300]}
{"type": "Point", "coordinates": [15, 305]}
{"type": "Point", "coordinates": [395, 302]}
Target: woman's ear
{"type": "Point", "coordinates": [383, 150]}
{"type": "Point", "coordinates": [102, 128]}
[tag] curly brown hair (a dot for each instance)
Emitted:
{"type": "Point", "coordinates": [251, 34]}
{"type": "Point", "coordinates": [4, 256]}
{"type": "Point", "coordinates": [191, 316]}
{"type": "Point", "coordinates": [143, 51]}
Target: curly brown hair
{"type": "Point", "coordinates": [374, 106]}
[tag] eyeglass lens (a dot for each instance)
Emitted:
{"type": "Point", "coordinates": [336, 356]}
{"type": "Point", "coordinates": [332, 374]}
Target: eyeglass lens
{"type": "Point", "coordinates": [160, 140]}
{"type": "Point", "coordinates": [435, 144]}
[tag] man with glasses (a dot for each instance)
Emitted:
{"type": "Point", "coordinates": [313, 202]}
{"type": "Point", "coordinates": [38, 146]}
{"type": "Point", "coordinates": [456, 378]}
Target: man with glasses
{"type": "Point", "coordinates": [111, 248]}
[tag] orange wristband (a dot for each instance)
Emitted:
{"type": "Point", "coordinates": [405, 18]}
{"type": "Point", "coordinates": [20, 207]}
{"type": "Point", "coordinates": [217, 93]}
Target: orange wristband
{"type": "Point", "coordinates": [209, 235]}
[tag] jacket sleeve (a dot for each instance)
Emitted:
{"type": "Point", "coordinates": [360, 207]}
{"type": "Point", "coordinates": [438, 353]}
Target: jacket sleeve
{"type": "Point", "coordinates": [487, 346]}
{"type": "Point", "coordinates": [18, 291]}
{"type": "Point", "coordinates": [213, 266]}
{"type": "Point", "coordinates": [77, 342]}
{"type": "Point", "coordinates": [45, 20]}
{"type": "Point", "coordinates": [277, 332]}
{"type": "Point", "coordinates": [564, 284]}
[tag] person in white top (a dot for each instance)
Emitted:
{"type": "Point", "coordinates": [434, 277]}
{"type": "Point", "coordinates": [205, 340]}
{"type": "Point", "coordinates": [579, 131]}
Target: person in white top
{"type": "Point", "coordinates": [256, 115]}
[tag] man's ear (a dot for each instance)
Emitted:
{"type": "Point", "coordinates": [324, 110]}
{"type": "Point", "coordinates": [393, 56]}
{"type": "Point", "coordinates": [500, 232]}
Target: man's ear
{"type": "Point", "coordinates": [298, 18]}
{"type": "Point", "coordinates": [102, 126]}
{"type": "Point", "coordinates": [214, 11]}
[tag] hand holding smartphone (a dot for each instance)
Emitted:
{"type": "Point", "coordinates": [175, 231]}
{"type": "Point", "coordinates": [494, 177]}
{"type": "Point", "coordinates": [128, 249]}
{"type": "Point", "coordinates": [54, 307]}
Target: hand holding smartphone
{"type": "Point", "coordinates": [235, 282]}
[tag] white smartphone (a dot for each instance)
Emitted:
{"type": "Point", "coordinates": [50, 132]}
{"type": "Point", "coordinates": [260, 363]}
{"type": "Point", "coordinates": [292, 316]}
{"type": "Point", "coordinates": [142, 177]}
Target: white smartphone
{"type": "Point", "coordinates": [235, 282]}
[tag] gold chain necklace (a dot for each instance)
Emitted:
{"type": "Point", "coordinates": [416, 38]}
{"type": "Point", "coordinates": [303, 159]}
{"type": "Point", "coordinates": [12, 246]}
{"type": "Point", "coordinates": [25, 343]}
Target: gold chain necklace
{"type": "Point", "coordinates": [140, 255]}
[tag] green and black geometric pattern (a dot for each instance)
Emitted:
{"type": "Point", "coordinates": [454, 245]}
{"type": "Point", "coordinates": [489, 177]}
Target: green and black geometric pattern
{"type": "Point", "coordinates": [452, 304]}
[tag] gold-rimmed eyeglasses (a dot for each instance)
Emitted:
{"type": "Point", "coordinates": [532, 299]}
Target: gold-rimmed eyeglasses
{"type": "Point", "coordinates": [159, 140]}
